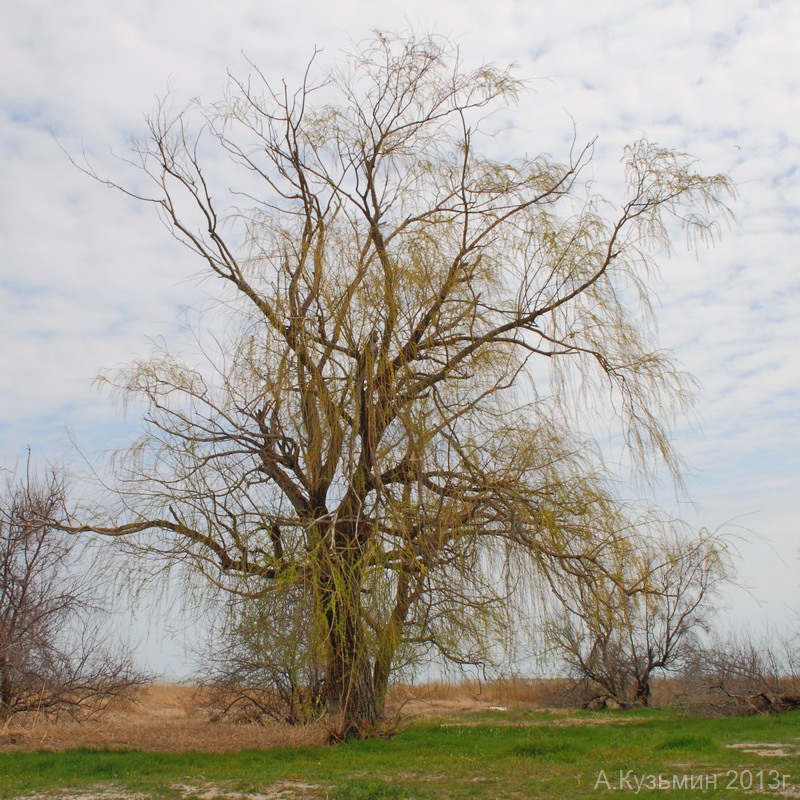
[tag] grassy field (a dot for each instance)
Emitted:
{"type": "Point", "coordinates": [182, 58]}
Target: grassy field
{"type": "Point", "coordinates": [467, 753]}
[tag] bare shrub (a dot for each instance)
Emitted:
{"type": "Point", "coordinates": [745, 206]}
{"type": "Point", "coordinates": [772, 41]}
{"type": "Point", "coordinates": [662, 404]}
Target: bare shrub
{"type": "Point", "coordinates": [745, 674]}
{"type": "Point", "coordinates": [263, 665]}
{"type": "Point", "coordinates": [639, 619]}
{"type": "Point", "coordinates": [54, 655]}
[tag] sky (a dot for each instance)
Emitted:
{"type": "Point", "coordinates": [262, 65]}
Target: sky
{"type": "Point", "coordinates": [88, 277]}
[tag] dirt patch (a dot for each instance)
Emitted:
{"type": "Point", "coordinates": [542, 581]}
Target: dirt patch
{"type": "Point", "coordinates": [569, 722]}
{"type": "Point", "coordinates": [779, 749]}
{"type": "Point", "coordinates": [96, 793]}
{"type": "Point", "coordinates": [285, 790]}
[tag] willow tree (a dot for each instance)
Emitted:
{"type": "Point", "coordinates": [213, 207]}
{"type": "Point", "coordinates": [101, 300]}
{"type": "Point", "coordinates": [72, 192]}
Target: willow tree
{"type": "Point", "coordinates": [375, 427]}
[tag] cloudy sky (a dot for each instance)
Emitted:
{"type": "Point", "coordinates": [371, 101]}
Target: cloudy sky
{"type": "Point", "coordinates": [86, 275]}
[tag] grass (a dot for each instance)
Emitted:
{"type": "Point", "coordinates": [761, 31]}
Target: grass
{"type": "Point", "coordinates": [461, 756]}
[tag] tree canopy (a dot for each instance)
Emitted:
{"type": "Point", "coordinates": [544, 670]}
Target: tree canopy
{"type": "Point", "coordinates": [375, 428]}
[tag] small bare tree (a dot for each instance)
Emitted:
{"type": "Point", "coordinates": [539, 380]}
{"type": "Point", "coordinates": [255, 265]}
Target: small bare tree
{"type": "Point", "coordinates": [264, 662]}
{"type": "Point", "coordinates": [620, 630]}
{"type": "Point", "coordinates": [53, 655]}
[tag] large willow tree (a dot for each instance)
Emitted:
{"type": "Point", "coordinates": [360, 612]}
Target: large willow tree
{"type": "Point", "coordinates": [375, 428]}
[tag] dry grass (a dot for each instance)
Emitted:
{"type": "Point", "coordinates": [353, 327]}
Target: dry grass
{"type": "Point", "coordinates": [161, 717]}
{"type": "Point", "coordinates": [173, 718]}
{"type": "Point", "coordinates": [439, 698]}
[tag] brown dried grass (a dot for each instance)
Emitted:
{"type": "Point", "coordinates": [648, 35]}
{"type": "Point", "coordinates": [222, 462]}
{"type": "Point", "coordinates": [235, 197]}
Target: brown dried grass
{"type": "Point", "coordinates": [175, 718]}
{"type": "Point", "coordinates": [439, 698]}
{"type": "Point", "coordinates": [160, 717]}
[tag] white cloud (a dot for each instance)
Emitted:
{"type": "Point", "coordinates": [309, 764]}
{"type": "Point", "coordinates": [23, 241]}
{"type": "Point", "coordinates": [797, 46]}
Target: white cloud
{"type": "Point", "coordinates": [86, 275]}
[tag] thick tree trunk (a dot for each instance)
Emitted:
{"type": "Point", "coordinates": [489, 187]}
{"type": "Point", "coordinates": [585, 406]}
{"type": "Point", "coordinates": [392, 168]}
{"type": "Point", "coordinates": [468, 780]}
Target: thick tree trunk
{"type": "Point", "coordinates": [357, 679]}
{"type": "Point", "coordinates": [643, 692]}
{"type": "Point", "coordinates": [409, 586]}
{"type": "Point", "coordinates": [349, 690]}
{"type": "Point", "coordinates": [351, 700]}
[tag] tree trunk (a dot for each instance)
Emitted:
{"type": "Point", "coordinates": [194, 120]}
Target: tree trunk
{"type": "Point", "coordinates": [6, 689]}
{"type": "Point", "coordinates": [349, 691]}
{"type": "Point", "coordinates": [643, 691]}
{"type": "Point", "coordinates": [409, 588]}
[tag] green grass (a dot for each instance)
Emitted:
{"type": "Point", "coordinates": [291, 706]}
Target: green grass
{"type": "Point", "coordinates": [485, 757]}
